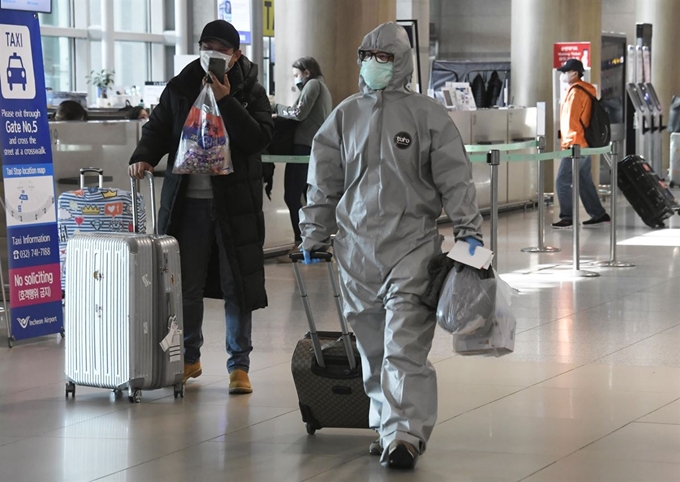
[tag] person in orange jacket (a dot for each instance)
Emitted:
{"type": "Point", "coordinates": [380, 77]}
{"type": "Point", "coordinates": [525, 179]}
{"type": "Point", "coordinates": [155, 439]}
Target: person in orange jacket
{"type": "Point", "coordinates": [574, 118]}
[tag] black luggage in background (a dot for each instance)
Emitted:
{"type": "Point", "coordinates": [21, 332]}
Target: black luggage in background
{"type": "Point", "coordinates": [643, 189]}
{"type": "Point", "coordinates": [327, 368]}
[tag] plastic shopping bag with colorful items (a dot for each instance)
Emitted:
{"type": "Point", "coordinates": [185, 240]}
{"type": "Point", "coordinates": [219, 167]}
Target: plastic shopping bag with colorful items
{"type": "Point", "coordinates": [204, 145]}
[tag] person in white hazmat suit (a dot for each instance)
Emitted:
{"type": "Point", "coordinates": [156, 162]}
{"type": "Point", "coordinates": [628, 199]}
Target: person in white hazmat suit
{"type": "Point", "coordinates": [382, 167]}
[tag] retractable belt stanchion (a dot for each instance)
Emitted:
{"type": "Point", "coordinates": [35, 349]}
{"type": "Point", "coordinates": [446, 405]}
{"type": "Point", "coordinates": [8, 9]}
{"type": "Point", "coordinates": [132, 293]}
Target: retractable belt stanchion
{"type": "Point", "coordinates": [576, 226]}
{"type": "Point", "coordinates": [613, 262]}
{"type": "Point", "coordinates": [541, 248]}
{"type": "Point", "coordinates": [493, 158]}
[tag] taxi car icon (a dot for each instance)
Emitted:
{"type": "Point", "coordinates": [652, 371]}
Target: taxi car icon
{"type": "Point", "coordinates": [16, 73]}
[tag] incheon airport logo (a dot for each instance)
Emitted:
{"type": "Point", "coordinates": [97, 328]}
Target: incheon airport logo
{"type": "Point", "coordinates": [23, 322]}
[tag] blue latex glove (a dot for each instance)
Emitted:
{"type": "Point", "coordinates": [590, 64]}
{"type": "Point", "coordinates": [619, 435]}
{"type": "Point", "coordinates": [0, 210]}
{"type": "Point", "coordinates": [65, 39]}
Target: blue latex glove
{"type": "Point", "coordinates": [308, 258]}
{"type": "Point", "coordinates": [474, 244]}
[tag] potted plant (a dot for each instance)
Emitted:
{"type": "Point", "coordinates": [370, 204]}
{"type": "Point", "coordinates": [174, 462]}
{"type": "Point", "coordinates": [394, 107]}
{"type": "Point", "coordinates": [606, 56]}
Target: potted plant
{"type": "Point", "coordinates": [102, 80]}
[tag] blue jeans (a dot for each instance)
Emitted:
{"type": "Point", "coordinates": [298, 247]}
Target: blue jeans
{"type": "Point", "coordinates": [197, 233]}
{"type": "Point", "coordinates": [587, 190]}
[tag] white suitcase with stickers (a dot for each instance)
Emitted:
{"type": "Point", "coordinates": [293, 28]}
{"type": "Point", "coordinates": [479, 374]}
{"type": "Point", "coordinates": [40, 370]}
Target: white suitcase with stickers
{"type": "Point", "coordinates": [123, 318]}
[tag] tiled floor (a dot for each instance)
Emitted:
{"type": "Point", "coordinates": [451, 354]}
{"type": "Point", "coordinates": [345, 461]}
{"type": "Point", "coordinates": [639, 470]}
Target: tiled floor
{"type": "Point", "coordinates": [592, 392]}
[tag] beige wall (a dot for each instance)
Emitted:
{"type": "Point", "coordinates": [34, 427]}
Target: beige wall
{"type": "Point", "coordinates": [471, 30]}
{"type": "Point", "coordinates": [481, 29]}
{"type": "Point", "coordinates": [619, 16]}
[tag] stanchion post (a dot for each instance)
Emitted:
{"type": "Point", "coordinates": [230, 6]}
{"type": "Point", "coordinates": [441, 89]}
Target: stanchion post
{"type": "Point", "coordinates": [613, 262]}
{"type": "Point", "coordinates": [541, 248]}
{"type": "Point", "coordinates": [493, 158]}
{"type": "Point", "coordinates": [576, 226]}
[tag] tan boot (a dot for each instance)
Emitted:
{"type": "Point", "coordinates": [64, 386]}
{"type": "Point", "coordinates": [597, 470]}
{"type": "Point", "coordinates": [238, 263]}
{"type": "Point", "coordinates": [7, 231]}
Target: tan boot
{"type": "Point", "coordinates": [239, 382]}
{"type": "Point", "coordinates": [192, 370]}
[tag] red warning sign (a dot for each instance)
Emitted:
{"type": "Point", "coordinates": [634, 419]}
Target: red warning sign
{"type": "Point", "coordinates": [564, 51]}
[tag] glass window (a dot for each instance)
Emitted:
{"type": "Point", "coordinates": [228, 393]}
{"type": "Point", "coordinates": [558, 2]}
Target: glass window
{"type": "Point", "coordinates": [169, 14]}
{"type": "Point", "coordinates": [131, 15]}
{"type": "Point", "coordinates": [157, 63]}
{"type": "Point", "coordinates": [60, 16]}
{"type": "Point", "coordinates": [132, 64]}
{"type": "Point", "coordinates": [95, 12]}
{"type": "Point", "coordinates": [58, 60]}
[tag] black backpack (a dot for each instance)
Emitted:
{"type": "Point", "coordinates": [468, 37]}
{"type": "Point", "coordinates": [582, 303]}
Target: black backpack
{"type": "Point", "coordinates": [598, 133]}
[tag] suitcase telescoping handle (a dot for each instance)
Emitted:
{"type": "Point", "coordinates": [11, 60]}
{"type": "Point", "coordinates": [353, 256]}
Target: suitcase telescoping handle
{"type": "Point", "coordinates": [316, 343]}
{"type": "Point", "coordinates": [96, 170]}
{"type": "Point", "coordinates": [134, 184]}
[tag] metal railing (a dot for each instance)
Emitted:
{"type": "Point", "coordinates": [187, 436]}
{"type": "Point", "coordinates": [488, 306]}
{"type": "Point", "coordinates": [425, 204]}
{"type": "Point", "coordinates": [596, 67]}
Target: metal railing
{"type": "Point", "coordinates": [495, 154]}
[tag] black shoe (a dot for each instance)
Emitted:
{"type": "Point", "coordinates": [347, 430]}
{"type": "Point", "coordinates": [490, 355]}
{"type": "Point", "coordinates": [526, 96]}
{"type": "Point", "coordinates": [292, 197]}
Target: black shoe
{"type": "Point", "coordinates": [594, 222]}
{"type": "Point", "coordinates": [562, 224]}
{"type": "Point", "coordinates": [375, 448]}
{"type": "Point", "coordinates": [401, 455]}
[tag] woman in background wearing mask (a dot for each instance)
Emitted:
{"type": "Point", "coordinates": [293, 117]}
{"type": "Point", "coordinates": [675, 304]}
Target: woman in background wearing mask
{"type": "Point", "coordinates": [217, 220]}
{"type": "Point", "coordinates": [311, 111]}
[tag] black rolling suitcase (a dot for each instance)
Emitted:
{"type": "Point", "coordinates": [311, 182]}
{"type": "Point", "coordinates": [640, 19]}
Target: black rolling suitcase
{"type": "Point", "coordinates": [327, 368]}
{"type": "Point", "coordinates": [643, 189]}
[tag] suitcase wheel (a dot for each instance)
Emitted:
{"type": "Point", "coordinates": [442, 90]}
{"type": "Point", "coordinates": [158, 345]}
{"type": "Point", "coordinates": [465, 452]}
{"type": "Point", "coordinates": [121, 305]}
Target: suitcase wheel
{"type": "Point", "coordinates": [135, 396]}
{"type": "Point", "coordinates": [70, 388]}
{"type": "Point", "coordinates": [310, 430]}
{"type": "Point", "coordinates": [179, 390]}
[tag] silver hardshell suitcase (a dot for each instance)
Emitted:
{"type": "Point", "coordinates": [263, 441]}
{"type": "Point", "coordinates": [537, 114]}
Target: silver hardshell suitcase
{"type": "Point", "coordinates": [123, 321]}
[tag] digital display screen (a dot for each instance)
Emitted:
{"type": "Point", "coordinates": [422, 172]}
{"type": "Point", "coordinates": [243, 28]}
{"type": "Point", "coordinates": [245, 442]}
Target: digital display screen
{"type": "Point", "coordinates": [40, 6]}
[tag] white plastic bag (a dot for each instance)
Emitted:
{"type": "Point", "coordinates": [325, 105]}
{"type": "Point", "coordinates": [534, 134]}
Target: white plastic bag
{"type": "Point", "coordinates": [501, 339]}
{"type": "Point", "coordinates": [467, 301]}
{"type": "Point", "coordinates": [478, 312]}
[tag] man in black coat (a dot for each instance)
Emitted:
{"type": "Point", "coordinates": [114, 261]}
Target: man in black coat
{"type": "Point", "coordinates": [217, 220]}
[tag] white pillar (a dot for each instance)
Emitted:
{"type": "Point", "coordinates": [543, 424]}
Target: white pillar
{"type": "Point", "coordinates": [181, 27]}
{"type": "Point", "coordinates": [108, 46]}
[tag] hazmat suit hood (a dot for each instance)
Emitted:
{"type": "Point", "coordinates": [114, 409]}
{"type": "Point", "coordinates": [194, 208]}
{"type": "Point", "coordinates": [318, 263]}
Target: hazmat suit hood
{"type": "Point", "coordinates": [392, 38]}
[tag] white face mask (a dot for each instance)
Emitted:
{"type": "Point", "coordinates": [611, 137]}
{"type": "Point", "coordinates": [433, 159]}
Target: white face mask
{"type": "Point", "coordinates": [206, 55]}
{"type": "Point", "coordinates": [568, 77]}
